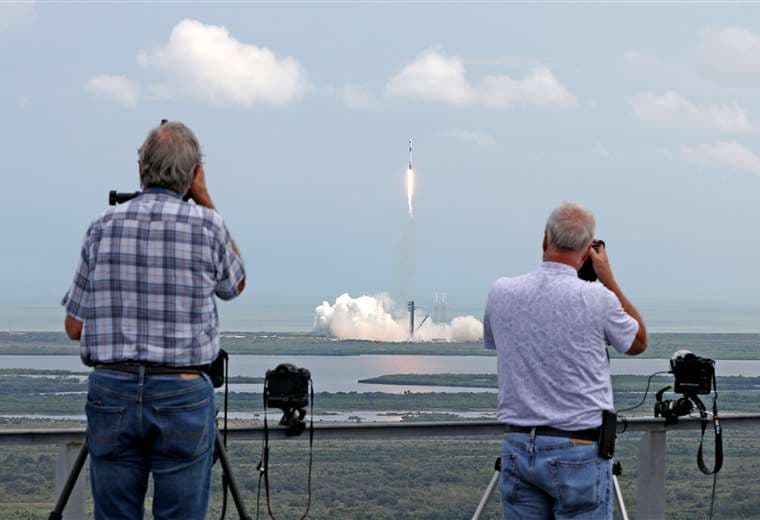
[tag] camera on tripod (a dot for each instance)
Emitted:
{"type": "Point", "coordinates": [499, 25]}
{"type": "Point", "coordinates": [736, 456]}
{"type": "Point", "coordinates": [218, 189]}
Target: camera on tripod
{"type": "Point", "coordinates": [693, 376]}
{"type": "Point", "coordinates": [287, 388]}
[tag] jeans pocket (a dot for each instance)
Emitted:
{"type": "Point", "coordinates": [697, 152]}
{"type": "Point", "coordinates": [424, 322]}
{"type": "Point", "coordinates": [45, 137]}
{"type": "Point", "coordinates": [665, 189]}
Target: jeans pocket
{"type": "Point", "coordinates": [577, 484]}
{"type": "Point", "coordinates": [185, 429]}
{"type": "Point", "coordinates": [510, 482]}
{"type": "Point", "coordinates": [103, 427]}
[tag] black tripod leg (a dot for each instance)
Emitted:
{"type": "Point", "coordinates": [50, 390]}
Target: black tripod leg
{"type": "Point", "coordinates": [227, 469]}
{"type": "Point", "coordinates": [63, 498]}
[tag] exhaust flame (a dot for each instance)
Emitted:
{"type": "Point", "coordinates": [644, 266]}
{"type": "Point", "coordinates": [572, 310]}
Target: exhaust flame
{"type": "Point", "coordinates": [410, 190]}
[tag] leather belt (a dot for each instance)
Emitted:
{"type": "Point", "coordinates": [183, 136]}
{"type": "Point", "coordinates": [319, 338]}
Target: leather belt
{"type": "Point", "coordinates": [134, 368]}
{"type": "Point", "coordinates": [592, 434]}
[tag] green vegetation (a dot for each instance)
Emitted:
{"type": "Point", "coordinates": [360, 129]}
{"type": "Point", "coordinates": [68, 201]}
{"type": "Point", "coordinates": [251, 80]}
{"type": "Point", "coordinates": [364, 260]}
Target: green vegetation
{"type": "Point", "coordinates": [462, 380]}
{"type": "Point", "coordinates": [662, 345]}
{"type": "Point", "coordinates": [418, 479]}
{"type": "Point", "coordinates": [622, 383]}
{"type": "Point", "coordinates": [63, 394]}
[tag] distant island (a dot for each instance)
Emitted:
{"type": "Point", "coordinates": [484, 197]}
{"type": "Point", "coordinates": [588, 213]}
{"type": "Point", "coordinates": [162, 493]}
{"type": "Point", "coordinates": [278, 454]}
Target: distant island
{"type": "Point", "coordinates": [661, 345]}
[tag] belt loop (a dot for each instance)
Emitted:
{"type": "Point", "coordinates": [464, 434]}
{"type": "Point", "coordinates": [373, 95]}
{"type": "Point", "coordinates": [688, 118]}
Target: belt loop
{"type": "Point", "coordinates": [532, 440]}
{"type": "Point", "coordinates": [140, 383]}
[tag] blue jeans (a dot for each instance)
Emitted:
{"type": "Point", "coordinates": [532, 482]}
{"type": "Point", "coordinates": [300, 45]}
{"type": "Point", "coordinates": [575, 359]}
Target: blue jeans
{"type": "Point", "coordinates": [546, 477]}
{"type": "Point", "coordinates": [160, 424]}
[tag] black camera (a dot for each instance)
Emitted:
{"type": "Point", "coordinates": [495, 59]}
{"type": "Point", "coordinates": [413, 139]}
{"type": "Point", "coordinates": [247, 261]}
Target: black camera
{"type": "Point", "coordinates": [287, 388]}
{"type": "Point", "coordinates": [586, 272]}
{"type": "Point", "coordinates": [693, 374]}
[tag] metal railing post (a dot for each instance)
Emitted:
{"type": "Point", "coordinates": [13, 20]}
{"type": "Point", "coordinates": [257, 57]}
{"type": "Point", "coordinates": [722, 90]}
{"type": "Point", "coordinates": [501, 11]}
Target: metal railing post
{"type": "Point", "coordinates": [67, 455]}
{"type": "Point", "coordinates": [650, 481]}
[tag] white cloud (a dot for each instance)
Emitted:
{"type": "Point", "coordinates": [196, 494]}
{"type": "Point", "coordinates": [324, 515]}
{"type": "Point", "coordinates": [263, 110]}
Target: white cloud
{"type": "Point", "coordinates": [115, 88]}
{"type": "Point", "coordinates": [539, 88]}
{"type": "Point", "coordinates": [673, 109]}
{"type": "Point", "coordinates": [731, 53]}
{"type": "Point", "coordinates": [357, 98]}
{"type": "Point", "coordinates": [436, 77]}
{"type": "Point", "coordinates": [14, 15]}
{"type": "Point", "coordinates": [724, 154]}
{"type": "Point", "coordinates": [471, 136]}
{"type": "Point", "coordinates": [433, 77]}
{"type": "Point", "coordinates": [599, 150]}
{"type": "Point", "coordinates": [205, 63]}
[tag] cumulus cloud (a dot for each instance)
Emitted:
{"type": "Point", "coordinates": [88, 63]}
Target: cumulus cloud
{"type": "Point", "coordinates": [115, 88]}
{"type": "Point", "coordinates": [357, 98]}
{"type": "Point", "coordinates": [724, 154]}
{"type": "Point", "coordinates": [471, 136]}
{"type": "Point", "coordinates": [206, 63]}
{"type": "Point", "coordinates": [436, 77]}
{"type": "Point", "coordinates": [375, 318]}
{"type": "Point", "coordinates": [731, 53]}
{"type": "Point", "coordinates": [673, 109]}
{"type": "Point", "coordinates": [15, 15]}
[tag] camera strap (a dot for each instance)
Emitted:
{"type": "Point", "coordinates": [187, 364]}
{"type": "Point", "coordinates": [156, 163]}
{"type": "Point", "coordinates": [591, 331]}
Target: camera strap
{"type": "Point", "coordinates": [263, 466]}
{"type": "Point", "coordinates": [224, 357]}
{"type": "Point", "coordinates": [718, 434]}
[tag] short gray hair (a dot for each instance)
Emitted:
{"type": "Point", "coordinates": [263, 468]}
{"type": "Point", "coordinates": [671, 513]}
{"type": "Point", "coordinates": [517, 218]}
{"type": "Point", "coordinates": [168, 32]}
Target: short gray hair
{"type": "Point", "coordinates": [570, 226]}
{"type": "Point", "coordinates": [168, 157]}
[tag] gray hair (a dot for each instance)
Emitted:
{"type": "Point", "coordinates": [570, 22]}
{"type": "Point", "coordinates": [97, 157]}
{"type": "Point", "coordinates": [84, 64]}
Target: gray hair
{"type": "Point", "coordinates": [168, 157]}
{"type": "Point", "coordinates": [570, 226]}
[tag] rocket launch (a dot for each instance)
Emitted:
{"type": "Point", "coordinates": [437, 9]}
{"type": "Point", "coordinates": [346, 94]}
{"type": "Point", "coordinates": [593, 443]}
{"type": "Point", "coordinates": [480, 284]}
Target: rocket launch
{"type": "Point", "coordinates": [410, 183]}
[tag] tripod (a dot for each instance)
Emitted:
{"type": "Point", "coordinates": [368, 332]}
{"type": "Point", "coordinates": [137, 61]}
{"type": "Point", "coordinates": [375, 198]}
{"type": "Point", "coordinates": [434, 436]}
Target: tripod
{"type": "Point", "coordinates": [617, 470]}
{"type": "Point", "coordinates": [71, 480]}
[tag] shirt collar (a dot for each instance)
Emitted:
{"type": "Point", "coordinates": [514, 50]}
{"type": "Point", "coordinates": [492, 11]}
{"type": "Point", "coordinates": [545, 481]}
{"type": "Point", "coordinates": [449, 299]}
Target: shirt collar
{"type": "Point", "coordinates": [559, 267]}
{"type": "Point", "coordinates": [156, 189]}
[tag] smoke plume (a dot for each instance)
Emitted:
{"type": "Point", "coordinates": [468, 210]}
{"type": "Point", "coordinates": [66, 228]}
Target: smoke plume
{"type": "Point", "coordinates": [378, 318]}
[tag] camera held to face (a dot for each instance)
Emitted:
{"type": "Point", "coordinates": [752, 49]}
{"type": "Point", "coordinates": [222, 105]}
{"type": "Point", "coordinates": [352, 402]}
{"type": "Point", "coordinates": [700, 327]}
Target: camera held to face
{"type": "Point", "coordinates": [586, 272]}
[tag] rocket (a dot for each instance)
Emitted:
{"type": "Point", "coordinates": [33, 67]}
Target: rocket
{"type": "Point", "coordinates": [410, 154]}
{"type": "Point", "coordinates": [410, 183]}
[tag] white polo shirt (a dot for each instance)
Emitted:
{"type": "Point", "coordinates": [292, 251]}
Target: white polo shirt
{"type": "Point", "coordinates": [550, 330]}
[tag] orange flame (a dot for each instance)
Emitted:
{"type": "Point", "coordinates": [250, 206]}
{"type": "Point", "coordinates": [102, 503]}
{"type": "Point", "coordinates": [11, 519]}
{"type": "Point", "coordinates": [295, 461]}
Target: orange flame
{"type": "Point", "coordinates": [410, 190]}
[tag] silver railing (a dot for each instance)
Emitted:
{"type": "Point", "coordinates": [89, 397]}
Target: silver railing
{"type": "Point", "coordinates": [650, 479]}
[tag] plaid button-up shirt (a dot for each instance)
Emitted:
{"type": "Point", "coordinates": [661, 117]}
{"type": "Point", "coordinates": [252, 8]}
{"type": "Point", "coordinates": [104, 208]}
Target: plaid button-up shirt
{"type": "Point", "coordinates": [145, 285]}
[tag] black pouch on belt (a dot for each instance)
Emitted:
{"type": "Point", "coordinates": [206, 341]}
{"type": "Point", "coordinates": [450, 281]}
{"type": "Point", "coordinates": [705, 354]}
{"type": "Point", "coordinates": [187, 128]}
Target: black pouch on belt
{"type": "Point", "coordinates": [216, 370]}
{"type": "Point", "coordinates": [607, 434]}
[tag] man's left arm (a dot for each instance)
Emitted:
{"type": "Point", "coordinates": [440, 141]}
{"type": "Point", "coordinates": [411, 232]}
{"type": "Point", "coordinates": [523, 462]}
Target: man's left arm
{"type": "Point", "coordinates": [77, 300]}
{"type": "Point", "coordinates": [488, 340]}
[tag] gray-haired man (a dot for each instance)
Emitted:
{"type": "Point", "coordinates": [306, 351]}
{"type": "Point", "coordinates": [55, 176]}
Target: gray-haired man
{"type": "Point", "coordinates": [143, 305]}
{"type": "Point", "coordinates": [550, 331]}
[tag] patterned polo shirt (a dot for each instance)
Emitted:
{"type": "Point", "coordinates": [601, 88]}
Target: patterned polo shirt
{"type": "Point", "coordinates": [145, 287]}
{"type": "Point", "coordinates": [550, 330]}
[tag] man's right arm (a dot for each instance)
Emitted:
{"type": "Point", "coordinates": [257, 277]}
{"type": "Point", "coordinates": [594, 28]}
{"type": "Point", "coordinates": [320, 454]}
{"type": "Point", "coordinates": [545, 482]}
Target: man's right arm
{"type": "Point", "coordinates": [604, 272]}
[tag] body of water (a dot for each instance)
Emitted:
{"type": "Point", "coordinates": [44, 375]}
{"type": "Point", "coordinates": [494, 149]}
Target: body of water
{"type": "Point", "coordinates": [342, 373]}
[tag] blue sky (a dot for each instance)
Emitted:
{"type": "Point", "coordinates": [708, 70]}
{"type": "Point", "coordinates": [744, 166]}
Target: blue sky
{"type": "Point", "coordinates": [648, 114]}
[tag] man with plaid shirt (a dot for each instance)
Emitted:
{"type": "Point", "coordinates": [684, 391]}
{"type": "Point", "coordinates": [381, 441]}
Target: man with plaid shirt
{"type": "Point", "coordinates": [143, 306]}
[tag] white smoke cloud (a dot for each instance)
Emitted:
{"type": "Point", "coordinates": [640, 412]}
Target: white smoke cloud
{"type": "Point", "coordinates": [375, 318]}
